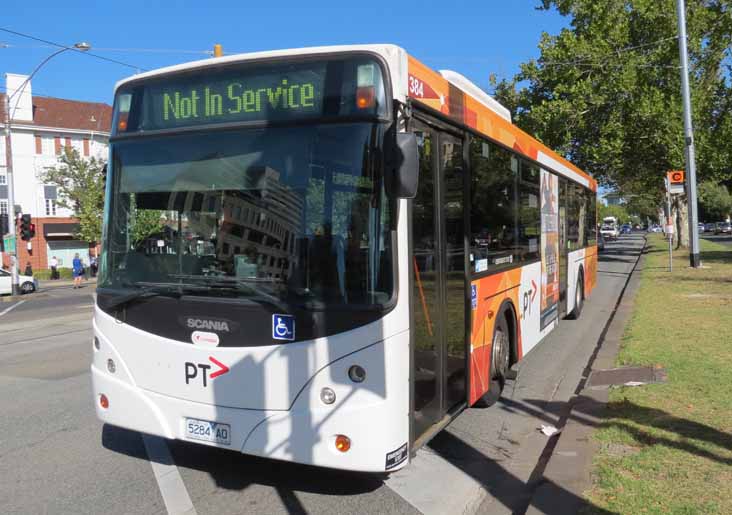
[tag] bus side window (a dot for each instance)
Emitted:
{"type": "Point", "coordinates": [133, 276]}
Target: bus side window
{"type": "Point", "coordinates": [529, 212]}
{"type": "Point", "coordinates": [493, 207]}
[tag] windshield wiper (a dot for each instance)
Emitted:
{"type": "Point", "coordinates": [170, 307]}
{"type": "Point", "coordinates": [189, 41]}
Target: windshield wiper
{"type": "Point", "coordinates": [151, 289]}
{"type": "Point", "coordinates": [218, 282]}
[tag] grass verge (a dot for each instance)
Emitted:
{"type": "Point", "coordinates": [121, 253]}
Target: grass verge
{"type": "Point", "coordinates": [667, 448]}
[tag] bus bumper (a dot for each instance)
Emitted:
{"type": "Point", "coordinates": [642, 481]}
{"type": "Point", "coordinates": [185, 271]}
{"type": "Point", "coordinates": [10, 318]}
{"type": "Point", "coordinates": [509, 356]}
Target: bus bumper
{"type": "Point", "coordinates": [376, 424]}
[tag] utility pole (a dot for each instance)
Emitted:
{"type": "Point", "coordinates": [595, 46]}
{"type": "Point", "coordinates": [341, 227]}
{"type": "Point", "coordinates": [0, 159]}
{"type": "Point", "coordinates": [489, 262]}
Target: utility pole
{"type": "Point", "coordinates": [688, 139]}
{"type": "Point", "coordinates": [12, 218]}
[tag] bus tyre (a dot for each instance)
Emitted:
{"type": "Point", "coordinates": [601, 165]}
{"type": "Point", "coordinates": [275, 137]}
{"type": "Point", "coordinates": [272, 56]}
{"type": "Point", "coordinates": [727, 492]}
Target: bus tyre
{"type": "Point", "coordinates": [579, 299]}
{"type": "Point", "coordinates": [500, 362]}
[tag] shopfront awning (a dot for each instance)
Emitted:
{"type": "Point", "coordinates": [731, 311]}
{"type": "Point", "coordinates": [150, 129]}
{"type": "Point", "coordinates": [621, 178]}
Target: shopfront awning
{"type": "Point", "coordinates": [60, 230]}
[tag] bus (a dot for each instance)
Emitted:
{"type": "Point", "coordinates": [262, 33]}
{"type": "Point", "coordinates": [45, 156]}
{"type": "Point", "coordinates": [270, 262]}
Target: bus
{"type": "Point", "coordinates": [323, 255]}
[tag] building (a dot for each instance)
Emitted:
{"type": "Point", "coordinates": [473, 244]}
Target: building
{"type": "Point", "coordinates": [613, 198]}
{"type": "Point", "coordinates": [40, 129]}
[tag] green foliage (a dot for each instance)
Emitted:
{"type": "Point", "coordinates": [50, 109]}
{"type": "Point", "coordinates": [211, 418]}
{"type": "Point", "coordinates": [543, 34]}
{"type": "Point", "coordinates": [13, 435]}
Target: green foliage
{"type": "Point", "coordinates": [618, 212]}
{"type": "Point", "coordinates": [45, 275]}
{"type": "Point", "coordinates": [80, 184]}
{"type": "Point", "coordinates": [715, 201]}
{"type": "Point", "coordinates": [606, 91]}
{"type": "Point", "coordinates": [144, 222]}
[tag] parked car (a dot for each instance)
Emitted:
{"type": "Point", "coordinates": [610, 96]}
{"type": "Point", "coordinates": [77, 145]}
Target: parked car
{"type": "Point", "coordinates": [27, 283]}
{"type": "Point", "coordinates": [655, 228]}
{"type": "Point", "coordinates": [626, 229]}
{"type": "Point", "coordinates": [700, 227]}
{"type": "Point", "coordinates": [709, 227]}
{"type": "Point", "coordinates": [723, 228]}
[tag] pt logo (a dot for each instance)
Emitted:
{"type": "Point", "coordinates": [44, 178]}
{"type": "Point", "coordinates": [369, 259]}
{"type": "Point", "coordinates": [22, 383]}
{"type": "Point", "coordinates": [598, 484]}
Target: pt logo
{"type": "Point", "coordinates": [528, 300]}
{"type": "Point", "coordinates": [194, 369]}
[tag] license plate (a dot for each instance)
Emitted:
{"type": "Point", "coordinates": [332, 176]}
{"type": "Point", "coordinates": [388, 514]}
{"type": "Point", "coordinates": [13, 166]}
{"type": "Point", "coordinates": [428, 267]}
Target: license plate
{"type": "Point", "coordinates": [208, 431]}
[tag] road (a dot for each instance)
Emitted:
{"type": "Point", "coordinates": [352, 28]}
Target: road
{"type": "Point", "coordinates": [55, 457]}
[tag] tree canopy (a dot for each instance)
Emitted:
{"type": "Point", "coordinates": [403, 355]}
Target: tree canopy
{"type": "Point", "coordinates": [715, 202]}
{"type": "Point", "coordinates": [80, 184]}
{"type": "Point", "coordinates": [606, 92]}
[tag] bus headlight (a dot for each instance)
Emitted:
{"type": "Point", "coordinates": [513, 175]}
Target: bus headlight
{"type": "Point", "coordinates": [327, 395]}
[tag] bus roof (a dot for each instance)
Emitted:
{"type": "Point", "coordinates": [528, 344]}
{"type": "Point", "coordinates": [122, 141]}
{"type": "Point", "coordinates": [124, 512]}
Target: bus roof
{"type": "Point", "coordinates": [446, 92]}
{"type": "Point", "coordinates": [395, 57]}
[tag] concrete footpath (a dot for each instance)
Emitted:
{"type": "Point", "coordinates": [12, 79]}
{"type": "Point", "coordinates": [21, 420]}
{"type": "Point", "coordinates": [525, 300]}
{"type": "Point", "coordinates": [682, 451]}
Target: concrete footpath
{"type": "Point", "coordinates": [61, 283]}
{"type": "Point", "coordinates": [569, 455]}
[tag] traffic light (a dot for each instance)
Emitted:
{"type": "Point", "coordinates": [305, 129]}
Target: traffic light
{"type": "Point", "coordinates": [27, 228]}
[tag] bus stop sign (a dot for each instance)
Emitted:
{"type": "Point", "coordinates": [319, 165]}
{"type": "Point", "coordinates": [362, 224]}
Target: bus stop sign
{"type": "Point", "coordinates": [675, 180]}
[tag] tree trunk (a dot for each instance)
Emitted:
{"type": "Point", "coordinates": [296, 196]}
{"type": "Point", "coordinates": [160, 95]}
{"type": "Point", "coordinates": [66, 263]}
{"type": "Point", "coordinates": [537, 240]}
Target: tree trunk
{"type": "Point", "coordinates": [681, 209]}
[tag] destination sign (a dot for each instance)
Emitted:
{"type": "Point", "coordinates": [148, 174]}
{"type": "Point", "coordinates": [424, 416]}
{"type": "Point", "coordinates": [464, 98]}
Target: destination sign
{"type": "Point", "coordinates": [268, 95]}
{"type": "Point", "coordinates": [270, 92]}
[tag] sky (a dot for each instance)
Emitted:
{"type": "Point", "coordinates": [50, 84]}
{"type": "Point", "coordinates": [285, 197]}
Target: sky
{"type": "Point", "coordinates": [475, 38]}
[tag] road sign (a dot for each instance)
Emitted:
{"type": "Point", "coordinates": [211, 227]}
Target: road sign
{"type": "Point", "coordinates": [9, 243]}
{"type": "Point", "coordinates": [675, 181]}
{"type": "Point", "coordinates": [676, 176]}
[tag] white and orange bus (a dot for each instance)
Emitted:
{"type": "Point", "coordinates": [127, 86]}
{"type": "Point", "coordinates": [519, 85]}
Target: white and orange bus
{"type": "Point", "coordinates": [322, 255]}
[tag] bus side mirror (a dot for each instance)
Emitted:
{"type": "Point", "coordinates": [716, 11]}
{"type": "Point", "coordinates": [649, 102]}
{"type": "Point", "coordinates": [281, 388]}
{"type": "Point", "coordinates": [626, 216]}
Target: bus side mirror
{"type": "Point", "coordinates": [406, 172]}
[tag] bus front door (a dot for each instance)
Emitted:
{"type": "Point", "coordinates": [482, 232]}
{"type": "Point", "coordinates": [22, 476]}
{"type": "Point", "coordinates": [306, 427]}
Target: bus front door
{"type": "Point", "coordinates": [439, 280]}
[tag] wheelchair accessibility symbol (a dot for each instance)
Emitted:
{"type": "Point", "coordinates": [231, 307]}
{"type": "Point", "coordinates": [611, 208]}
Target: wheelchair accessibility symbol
{"type": "Point", "coordinates": [283, 327]}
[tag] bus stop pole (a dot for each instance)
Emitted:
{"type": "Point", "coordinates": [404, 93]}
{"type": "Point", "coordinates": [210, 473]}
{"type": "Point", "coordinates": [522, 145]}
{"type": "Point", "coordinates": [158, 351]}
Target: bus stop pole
{"type": "Point", "coordinates": [669, 226]}
{"type": "Point", "coordinates": [688, 139]}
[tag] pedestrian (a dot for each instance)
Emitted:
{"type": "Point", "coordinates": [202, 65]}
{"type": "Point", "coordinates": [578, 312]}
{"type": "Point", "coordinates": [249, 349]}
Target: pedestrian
{"type": "Point", "coordinates": [93, 265]}
{"type": "Point", "coordinates": [54, 268]}
{"type": "Point", "coordinates": [78, 270]}
{"type": "Point", "coordinates": [28, 269]}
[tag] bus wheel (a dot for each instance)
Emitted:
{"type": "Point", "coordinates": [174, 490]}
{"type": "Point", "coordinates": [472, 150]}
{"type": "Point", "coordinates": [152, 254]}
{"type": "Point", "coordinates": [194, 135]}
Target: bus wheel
{"type": "Point", "coordinates": [579, 299]}
{"type": "Point", "coordinates": [500, 362]}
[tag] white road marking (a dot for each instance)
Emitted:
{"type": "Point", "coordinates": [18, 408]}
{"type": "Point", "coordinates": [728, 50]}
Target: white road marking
{"type": "Point", "coordinates": [8, 310]}
{"type": "Point", "coordinates": [176, 498]}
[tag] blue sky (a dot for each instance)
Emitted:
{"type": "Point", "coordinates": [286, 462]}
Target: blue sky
{"type": "Point", "coordinates": [475, 38]}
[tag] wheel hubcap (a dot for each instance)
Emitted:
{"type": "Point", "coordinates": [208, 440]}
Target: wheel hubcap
{"type": "Point", "coordinates": [500, 354]}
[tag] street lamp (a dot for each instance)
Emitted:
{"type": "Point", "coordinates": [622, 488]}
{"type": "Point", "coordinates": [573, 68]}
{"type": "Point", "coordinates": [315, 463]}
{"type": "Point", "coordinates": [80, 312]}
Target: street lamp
{"type": "Point", "coordinates": [82, 46]}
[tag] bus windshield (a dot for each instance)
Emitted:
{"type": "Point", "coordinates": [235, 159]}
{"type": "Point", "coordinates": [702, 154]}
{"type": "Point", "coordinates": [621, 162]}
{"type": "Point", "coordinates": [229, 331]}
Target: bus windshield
{"type": "Point", "coordinates": [278, 215]}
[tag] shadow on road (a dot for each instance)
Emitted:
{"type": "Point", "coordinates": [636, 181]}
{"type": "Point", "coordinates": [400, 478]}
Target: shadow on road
{"type": "Point", "coordinates": [510, 491]}
{"type": "Point", "coordinates": [231, 470]}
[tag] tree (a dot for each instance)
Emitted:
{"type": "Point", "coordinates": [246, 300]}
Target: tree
{"type": "Point", "coordinates": [606, 91]}
{"type": "Point", "coordinates": [715, 201]}
{"type": "Point", "coordinates": [144, 223]}
{"type": "Point", "coordinates": [618, 212]}
{"type": "Point", "coordinates": [80, 184]}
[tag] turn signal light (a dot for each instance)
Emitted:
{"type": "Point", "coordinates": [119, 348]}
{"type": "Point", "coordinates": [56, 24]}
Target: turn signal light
{"type": "Point", "coordinates": [342, 443]}
{"type": "Point", "coordinates": [103, 401]}
{"type": "Point", "coordinates": [365, 97]}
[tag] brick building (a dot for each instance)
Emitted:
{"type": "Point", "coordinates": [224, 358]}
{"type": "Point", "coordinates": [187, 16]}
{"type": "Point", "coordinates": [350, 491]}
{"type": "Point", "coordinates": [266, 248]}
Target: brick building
{"type": "Point", "coordinates": [41, 128]}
